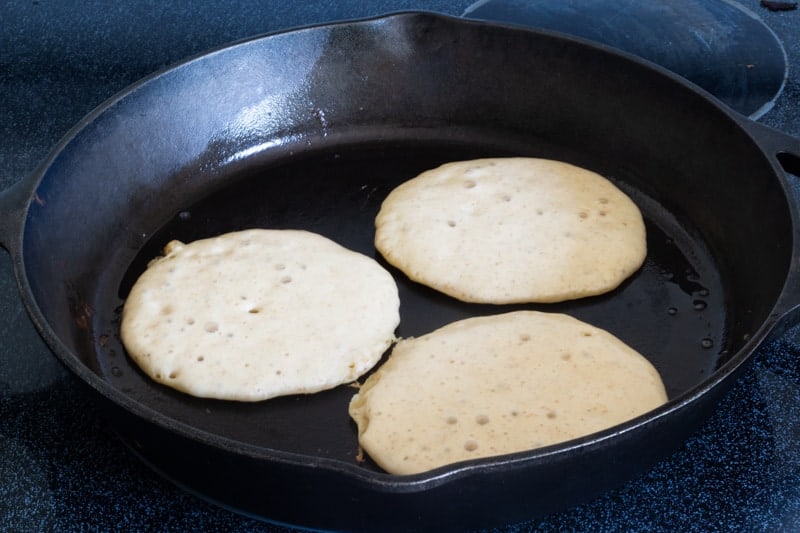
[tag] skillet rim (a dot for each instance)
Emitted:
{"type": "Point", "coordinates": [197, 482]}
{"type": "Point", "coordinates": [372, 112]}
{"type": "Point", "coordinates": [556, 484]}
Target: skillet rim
{"type": "Point", "coordinates": [374, 479]}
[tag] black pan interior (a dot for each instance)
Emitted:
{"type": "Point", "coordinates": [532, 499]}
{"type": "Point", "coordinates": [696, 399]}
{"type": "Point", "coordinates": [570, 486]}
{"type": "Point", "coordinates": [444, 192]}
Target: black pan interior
{"type": "Point", "coordinates": [380, 102]}
{"type": "Point", "coordinates": [673, 309]}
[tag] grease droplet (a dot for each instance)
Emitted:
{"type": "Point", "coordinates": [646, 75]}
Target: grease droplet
{"type": "Point", "coordinates": [706, 343]}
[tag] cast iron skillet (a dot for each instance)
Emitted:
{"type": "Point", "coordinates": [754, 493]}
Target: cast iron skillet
{"type": "Point", "coordinates": [311, 129]}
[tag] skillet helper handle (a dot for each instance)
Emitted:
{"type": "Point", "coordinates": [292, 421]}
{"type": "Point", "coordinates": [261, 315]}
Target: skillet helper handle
{"type": "Point", "coordinates": [785, 151]}
{"type": "Point", "coordinates": [13, 206]}
{"type": "Point", "coordinates": [783, 147]}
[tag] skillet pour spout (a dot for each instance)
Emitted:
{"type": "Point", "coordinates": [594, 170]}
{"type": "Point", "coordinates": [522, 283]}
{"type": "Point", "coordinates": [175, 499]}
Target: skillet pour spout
{"type": "Point", "coordinates": [311, 129]}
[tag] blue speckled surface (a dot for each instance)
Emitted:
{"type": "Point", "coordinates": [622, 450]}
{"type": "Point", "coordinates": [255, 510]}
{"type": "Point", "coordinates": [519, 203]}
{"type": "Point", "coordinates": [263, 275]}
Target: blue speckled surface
{"type": "Point", "coordinates": [62, 470]}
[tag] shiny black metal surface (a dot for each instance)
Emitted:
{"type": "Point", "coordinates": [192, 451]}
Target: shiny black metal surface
{"type": "Point", "coordinates": [773, 381]}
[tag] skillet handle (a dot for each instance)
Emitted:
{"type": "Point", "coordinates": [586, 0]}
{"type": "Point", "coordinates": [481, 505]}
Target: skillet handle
{"type": "Point", "coordinates": [13, 206]}
{"type": "Point", "coordinates": [784, 149]}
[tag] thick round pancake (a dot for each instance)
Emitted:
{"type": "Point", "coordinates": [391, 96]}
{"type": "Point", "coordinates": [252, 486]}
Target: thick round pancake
{"type": "Point", "coordinates": [259, 313]}
{"type": "Point", "coordinates": [512, 230]}
{"type": "Point", "coordinates": [499, 384]}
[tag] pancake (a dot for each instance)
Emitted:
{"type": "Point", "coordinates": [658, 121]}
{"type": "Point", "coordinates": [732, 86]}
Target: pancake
{"type": "Point", "coordinates": [255, 314]}
{"type": "Point", "coordinates": [499, 384]}
{"type": "Point", "coordinates": [512, 230]}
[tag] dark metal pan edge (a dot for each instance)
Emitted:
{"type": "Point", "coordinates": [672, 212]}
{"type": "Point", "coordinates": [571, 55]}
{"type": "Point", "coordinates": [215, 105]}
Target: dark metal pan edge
{"type": "Point", "coordinates": [784, 313]}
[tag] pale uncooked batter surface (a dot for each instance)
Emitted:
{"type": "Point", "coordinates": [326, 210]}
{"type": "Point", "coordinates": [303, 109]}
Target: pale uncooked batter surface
{"type": "Point", "coordinates": [499, 384]}
{"type": "Point", "coordinates": [255, 314]}
{"type": "Point", "coordinates": [512, 230]}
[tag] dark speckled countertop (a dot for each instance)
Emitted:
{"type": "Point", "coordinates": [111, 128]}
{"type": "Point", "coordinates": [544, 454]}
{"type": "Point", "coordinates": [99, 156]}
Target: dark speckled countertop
{"type": "Point", "coordinates": [61, 469]}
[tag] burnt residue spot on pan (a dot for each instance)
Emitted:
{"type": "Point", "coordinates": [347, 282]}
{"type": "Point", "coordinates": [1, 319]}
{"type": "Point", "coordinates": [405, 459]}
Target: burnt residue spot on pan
{"type": "Point", "coordinates": [80, 309]}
